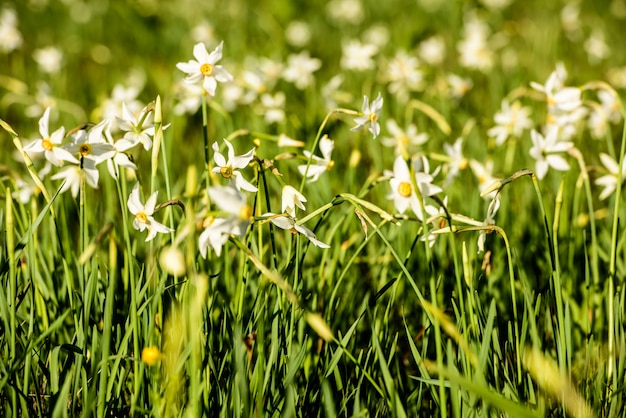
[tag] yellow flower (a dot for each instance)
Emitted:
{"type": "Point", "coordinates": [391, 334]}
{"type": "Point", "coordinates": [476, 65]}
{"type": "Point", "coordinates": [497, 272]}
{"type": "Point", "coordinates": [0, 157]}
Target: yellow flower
{"type": "Point", "coordinates": [150, 355]}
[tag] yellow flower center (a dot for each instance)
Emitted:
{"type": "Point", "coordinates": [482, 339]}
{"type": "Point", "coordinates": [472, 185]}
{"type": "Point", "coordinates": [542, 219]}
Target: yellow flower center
{"type": "Point", "coordinates": [84, 149]}
{"type": "Point", "coordinates": [206, 69]}
{"type": "Point", "coordinates": [245, 212]}
{"type": "Point", "coordinates": [405, 189]}
{"type": "Point", "coordinates": [330, 165]}
{"type": "Point", "coordinates": [142, 217]}
{"type": "Point", "coordinates": [226, 172]}
{"type": "Point", "coordinates": [47, 144]}
{"type": "Point", "coordinates": [373, 117]}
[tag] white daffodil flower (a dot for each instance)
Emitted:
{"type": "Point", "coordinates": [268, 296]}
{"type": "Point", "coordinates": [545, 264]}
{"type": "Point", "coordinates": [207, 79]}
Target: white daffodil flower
{"type": "Point", "coordinates": [73, 175]}
{"type": "Point", "coordinates": [318, 165]}
{"type": "Point", "coordinates": [50, 145]}
{"type": "Point", "coordinates": [230, 168]}
{"type": "Point", "coordinates": [545, 151]}
{"type": "Point", "coordinates": [610, 180]}
{"type": "Point", "coordinates": [143, 214]}
{"type": "Point", "coordinates": [288, 223]}
{"type": "Point", "coordinates": [371, 113]}
{"type": "Point", "coordinates": [235, 222]}
{"type": "Point", "coordinates": [92, 145]}
{"type": "Point", "coordinates": [292, 198]}
{"type": "Point", "coordinates": [205, 69]}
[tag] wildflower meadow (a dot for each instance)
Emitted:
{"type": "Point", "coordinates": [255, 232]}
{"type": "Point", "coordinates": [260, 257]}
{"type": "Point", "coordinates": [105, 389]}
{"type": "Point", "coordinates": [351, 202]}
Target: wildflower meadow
{"type": "Point", "coordinates": [349, 208]}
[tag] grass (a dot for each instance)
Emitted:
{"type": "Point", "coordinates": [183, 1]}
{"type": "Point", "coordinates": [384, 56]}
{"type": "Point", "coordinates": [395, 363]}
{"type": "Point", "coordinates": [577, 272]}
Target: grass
{"type": "Point", "coordinates": [95, 320]}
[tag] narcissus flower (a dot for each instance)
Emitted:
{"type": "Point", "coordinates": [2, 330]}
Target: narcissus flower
{"type": "Point", "coordinates": [143, 214]}
{"type": "Point", "coordinates": [292, 198]}
{"type": "Point", "coordinates": [235, 221]}
{"type": "Point", "coordinates": [91, 145]}
{"type": "Point", "coordinates": [229, 169]}
{"type": "Point", "coordinates": [50, 145]}
{"type": "Point", "coordinates": [288, 223]}
{"type": "Point", "coordinates": [204, 68]}
{"type": "Point", "coordinates": [546, 150]}
{"type": "Point", "coordinates": [610, 180]}
{"type": "Point", "coordinates": [318, 165]}
{"type": "Point", "coordinates": [402, 190]}
{"type": "Point", "coordinates": [370, 116]}
{"type": "Point", "coordinates": [75, 174]}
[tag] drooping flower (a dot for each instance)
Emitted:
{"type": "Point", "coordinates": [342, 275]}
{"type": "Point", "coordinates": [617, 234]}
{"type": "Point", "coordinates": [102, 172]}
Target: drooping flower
{"type": "Point", "coordinates": [292, 198]}
{"type": "Point", "coordinates": [370, 116]}
{"type": "Point", "coordinates": [494, 205]}
{"type": "Point", "coordinates": [204, 68]}
{"type": "Point", "coordinates": [288, 223]}
{"type": "Point", "coordinates": [143, 214]}
{"type": "Point", "coordinates": [50, 145]}
{"type": "Point", "coordinates": [229, 169]}
{"type": "Point", "coordinates": [318, 165]}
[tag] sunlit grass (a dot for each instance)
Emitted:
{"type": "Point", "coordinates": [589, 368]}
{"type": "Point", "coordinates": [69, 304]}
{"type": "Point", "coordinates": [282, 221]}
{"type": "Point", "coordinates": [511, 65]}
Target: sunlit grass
{"type": "Point", "coordinates": [452, 248]}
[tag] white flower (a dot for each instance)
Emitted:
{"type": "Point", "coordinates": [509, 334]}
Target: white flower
{"type": "Point", "coordinates": [458, 86]}
{"type": "Point", "coordinates": [143, 214]}
{"type": "Point", "coordinates": [237, 214]}
{"type": "Point", "coordinates": [298, 33]}
{"type": "Point", "coordinates": [483, 173]}
{"type": "Point", "coordinates": [205, 69]}
{"type": "Point", "coordinates": [545, 152]}
{"type": "Point", "coordinates": [559, 97]}
{"type": "Point", "coordinates": [119, 158]}
{"type": "Point", "coordinates": [189, 98]}
{"type": "Point", "coordinates": [49, 59]}
{"type": "Point", "coordinates": [137, 129]}
{"type": "Point", "coordinates": [230, 169]}
{"type": "Point", "coordinates": [272, 107]}
{"type": "Point", "coordinates": [402, 191]}
{"type": "Point", "coordinates": [404, 75]}
{"type": "Point", "coordinates": [300, 69]}
{"type": "Point", "coordinates": [494, 205]}
{"type": "Point", "coordinates": [511, 120]}
{"type": "Point", "coordinates": [609, 180]}
{"type": "Point", "coordinates": [292, 198]}
{"type": "Point", "coordinates": [73, 176]}
{"type": "Point", "coordinates": [345, 11]}
{"type": "Point", "coordinates": [432, 50]}
{"type": "Point", "coordinates": [10, 36]}
{"type": "Point", "coordinates": [474, 49]}
{"type": "Point", "coordinates": [370, 115]}
{"type": "Point", "coordinates": [358, 56]}
{"type": "Point", "coordinates": [401, 139]}
{"type": "Point", "coordinates": [457, 160]}
{"type": "Point", "coordinates": [287, 223]}
{"type": "Point", "coordinates": [318, 165]}
{"type": "Point", "coordinates": [50, 145]}
{"type": "Point", "coordinates": [91, 145]}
